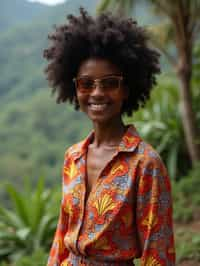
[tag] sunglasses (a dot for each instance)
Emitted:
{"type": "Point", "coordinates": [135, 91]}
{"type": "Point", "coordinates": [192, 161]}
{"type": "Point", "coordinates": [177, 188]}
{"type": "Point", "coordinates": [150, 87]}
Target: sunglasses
{"type": "Point", "coordinates": [107, 84]}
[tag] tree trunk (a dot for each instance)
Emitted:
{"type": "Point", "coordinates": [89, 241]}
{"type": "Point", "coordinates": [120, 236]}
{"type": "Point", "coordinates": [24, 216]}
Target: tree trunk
{"type": "Point", "coordinates": [188, 116]}
{"type": "Point", "coordinates": [184, 44]}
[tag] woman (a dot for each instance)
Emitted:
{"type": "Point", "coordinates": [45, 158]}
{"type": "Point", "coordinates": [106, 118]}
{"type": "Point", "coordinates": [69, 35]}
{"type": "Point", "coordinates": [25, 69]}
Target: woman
{"type": "Point", "coordinates": [116, 201]}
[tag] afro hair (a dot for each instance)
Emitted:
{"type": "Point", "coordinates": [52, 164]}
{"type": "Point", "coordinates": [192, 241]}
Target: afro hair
{"type": "Point", "coordinates": [117, 39]}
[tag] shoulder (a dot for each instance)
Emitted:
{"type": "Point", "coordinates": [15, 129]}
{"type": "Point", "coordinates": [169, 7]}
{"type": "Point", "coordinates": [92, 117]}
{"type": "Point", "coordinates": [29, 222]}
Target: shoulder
{"type": "Point", "coordinates": [74, 150]}
{"type": "Point", "coordinates": [150, 160]}
{"type": "Point", "coordinates": [151, 171]}
{"type": "Point", "coordinates": [79, 148]}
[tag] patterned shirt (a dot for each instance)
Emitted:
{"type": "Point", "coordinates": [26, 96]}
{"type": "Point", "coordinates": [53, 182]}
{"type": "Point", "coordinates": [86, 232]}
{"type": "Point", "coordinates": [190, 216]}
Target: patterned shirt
{"type": "Point", "coordinates": [128, 214]}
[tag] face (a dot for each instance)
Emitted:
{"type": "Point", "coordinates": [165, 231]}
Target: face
{"type": "Point", "coordinates": [104, 101]}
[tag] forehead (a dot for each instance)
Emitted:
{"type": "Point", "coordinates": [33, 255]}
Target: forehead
{"type": "Point", "coordinates": [97, 67]}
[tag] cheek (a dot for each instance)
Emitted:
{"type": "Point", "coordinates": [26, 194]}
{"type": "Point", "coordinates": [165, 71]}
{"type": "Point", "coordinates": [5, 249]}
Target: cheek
{"type": "Point", "coordinates": [119, 97]}
{"type": "Point", "coordinates": [82, 100]}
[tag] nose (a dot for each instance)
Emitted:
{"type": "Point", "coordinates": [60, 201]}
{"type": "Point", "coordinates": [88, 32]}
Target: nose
{"type": "Point", "coordinates": [97, 90]}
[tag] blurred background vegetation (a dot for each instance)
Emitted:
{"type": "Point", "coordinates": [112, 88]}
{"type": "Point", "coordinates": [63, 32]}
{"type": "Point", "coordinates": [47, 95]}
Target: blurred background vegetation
{"type": "Point", "coordinates": [35, 131]}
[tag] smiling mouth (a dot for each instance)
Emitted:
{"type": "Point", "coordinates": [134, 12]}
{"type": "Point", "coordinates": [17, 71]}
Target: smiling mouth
{"type": "Point", "coordinates": [98, 106]}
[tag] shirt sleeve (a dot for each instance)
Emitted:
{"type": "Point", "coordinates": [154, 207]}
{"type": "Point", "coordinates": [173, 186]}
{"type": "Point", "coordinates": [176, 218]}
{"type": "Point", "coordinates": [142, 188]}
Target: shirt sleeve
{"type": "Point", "coordinates": [154, 215]}
{"type": "Point", "coordinates": [58, 252]}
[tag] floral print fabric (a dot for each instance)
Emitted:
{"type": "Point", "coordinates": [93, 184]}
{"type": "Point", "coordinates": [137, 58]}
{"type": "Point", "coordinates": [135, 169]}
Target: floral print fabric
{"type": "Point", "coordinates": [128, 213]}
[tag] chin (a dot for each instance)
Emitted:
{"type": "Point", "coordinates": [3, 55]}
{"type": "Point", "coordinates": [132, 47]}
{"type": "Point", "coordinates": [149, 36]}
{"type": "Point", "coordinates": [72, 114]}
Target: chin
{"type": "Point", "coordinates": [103, 119]}
{"type": "Point", "coordinates": [99, 119]}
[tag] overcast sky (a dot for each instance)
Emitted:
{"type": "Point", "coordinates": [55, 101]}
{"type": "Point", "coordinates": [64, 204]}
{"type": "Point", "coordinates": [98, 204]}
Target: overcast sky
{"type": "Point", "coordinates": [48, 2]}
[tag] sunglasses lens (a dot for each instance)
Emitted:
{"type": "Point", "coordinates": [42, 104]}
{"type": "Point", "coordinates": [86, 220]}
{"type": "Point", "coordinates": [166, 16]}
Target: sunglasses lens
{"type": "Point", "coordinates": [110, 83]}
{"type": "Point", "coordinates": [86, 85]}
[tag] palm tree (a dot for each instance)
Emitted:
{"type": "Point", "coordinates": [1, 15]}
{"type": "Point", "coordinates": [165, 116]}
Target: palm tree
{"type": "Point", "coordinates": [181, 28]}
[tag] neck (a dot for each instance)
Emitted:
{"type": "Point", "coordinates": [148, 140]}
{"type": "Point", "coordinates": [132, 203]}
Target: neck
{"type": "Point", "coordinates": [108, 135]}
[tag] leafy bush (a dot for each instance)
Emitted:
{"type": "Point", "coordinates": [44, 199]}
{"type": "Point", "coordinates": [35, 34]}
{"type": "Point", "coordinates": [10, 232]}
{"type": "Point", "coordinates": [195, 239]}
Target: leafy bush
{"type": "Point", "coordinates": [188, 246]}
{"type": "Point", "coordinates": [30, 223]}
{"type": "Point", "coordinates": [186, 196]}
{"type": "Point", "coordinates": [181, 213]}
{"type": "Point", "coordinates": [38, 258]}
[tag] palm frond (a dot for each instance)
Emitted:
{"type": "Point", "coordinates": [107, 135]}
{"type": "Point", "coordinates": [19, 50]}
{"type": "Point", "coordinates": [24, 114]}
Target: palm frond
{"type": "Point", "coordinates": [10, 218]}
{"type": "Point", "coordinates": [103, 6]}
{"type": "Point", "coordinates": [20, 205]}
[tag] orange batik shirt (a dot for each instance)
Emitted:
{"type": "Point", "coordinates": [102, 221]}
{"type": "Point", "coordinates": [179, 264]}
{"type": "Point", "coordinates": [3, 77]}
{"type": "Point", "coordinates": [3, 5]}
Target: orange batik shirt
{"type": "Point", "coordinates": [128, 213]}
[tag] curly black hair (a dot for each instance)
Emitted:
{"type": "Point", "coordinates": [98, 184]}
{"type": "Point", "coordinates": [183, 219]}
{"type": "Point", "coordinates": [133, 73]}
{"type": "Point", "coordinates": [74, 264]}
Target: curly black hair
{"type": "Point", "coordinates": [117, 39]}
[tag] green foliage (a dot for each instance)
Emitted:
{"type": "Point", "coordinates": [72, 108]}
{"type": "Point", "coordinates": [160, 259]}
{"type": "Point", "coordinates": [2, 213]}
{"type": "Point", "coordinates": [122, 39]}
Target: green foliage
{"type": "Point", "coordinates": [188, 245]}
{"type": "Point", "coordinates": [186, 197]}
{"type": "Point", "coordinates": [30, 222]}
{"type": "Point", "coordinates": [182, 213]}
{"type": "Point", "coordinates": [186, 201]}
{"type": "Point", "coordinates": [159, 123]}
{"type": "Point", "coordinates": [38, 258]}
{"type": "Point", "coordinates": [120, 6]}
{"type": "Point", "coordinates": [35, 135]}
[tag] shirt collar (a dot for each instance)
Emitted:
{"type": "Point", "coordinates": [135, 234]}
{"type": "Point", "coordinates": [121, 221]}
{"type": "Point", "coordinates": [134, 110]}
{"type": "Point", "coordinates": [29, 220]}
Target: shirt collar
{"type": "Point", "coordinates": [129, 142]}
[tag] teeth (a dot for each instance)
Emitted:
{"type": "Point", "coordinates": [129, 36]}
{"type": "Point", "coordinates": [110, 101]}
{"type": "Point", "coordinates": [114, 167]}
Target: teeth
{"type": "Point", "coordinates": [98, 106]}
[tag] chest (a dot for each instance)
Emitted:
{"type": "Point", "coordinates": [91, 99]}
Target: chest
{"type": "Point", "coordinates": [96, 162]}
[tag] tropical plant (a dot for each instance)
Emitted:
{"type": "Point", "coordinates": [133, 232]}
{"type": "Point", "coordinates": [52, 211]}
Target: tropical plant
{"type": "Point", "coordinates": [179, 33]}
{"type": "Point", "coordinates": [159, 123]}
{"type": "Point", "coordinates": [38, 258]}
{"type": "Point", "coordinates": [29, 223]}
{"type": "Point", "coordinates": [120, 6]}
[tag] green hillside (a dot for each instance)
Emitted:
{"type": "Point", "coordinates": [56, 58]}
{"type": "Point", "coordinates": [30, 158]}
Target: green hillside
{"type": "Point", "coordinates": [22, 46]}
{"type": "Point", "coordinates": [14, 12]}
